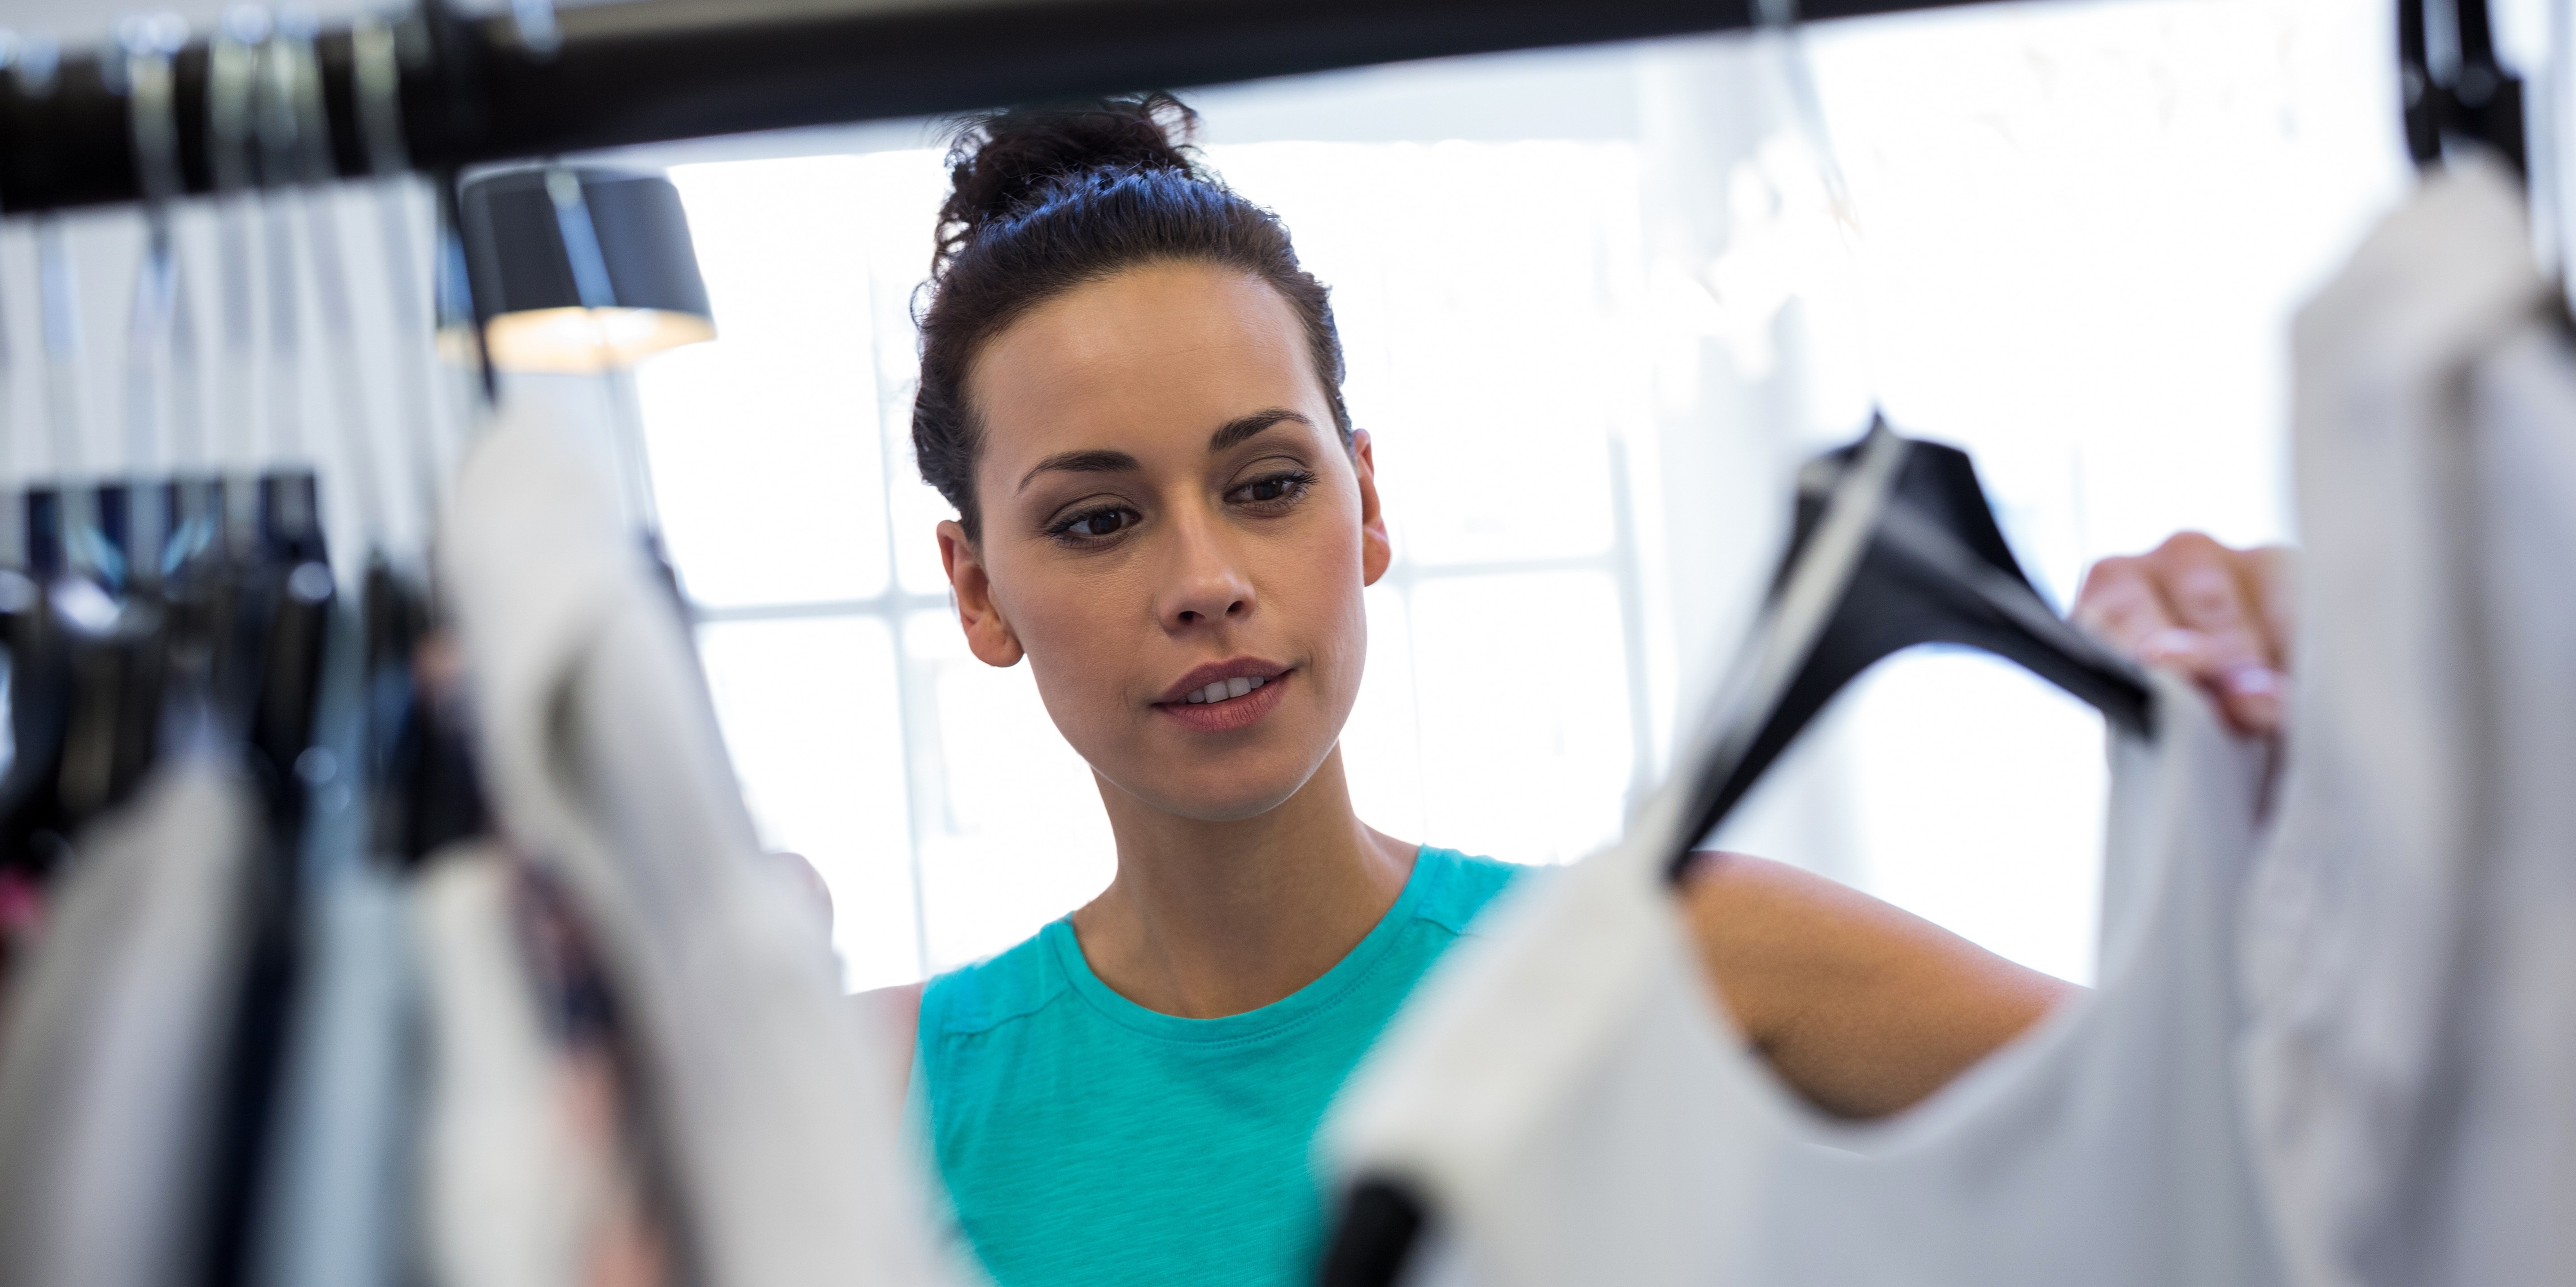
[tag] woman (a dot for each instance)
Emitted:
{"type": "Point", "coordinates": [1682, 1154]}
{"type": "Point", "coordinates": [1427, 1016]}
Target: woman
{"type": "Point", "coordinates": [1131, 393]}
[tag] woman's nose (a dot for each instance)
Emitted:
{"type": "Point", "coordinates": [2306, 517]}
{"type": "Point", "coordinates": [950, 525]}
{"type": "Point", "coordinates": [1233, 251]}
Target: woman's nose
{"type": "Point", "coordinates": [1203, 582]}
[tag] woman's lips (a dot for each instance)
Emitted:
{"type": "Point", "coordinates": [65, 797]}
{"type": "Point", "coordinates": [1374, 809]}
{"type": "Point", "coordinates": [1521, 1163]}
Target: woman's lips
{"type": "Point", "coordinates": [1232, 713]}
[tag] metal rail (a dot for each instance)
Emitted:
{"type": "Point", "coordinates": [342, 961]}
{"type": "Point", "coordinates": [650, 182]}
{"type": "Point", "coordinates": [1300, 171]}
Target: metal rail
{"type": "Point", "coordinates": [475, 90]}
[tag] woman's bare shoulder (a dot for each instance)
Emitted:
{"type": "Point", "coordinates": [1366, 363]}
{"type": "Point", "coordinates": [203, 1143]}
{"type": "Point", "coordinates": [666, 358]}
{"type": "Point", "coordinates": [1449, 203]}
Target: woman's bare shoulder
{"type": "Point", "coordinates": [1863, 1007]}
{"type": "Point", "coordinates": [891, 1015]}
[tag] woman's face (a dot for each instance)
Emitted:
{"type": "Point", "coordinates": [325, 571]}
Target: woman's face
{"type": "Point", "coordinates": [1170, 518]}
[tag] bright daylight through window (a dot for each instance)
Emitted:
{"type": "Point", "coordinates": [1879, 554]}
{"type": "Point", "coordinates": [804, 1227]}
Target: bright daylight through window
{"type": "Point", "coordinates": [1591, 332]}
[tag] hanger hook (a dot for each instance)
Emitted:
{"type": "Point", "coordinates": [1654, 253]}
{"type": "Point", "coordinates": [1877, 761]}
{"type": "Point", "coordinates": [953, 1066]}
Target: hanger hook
{"type": "Point", "coordinates": [232, 73]}
{"type": "Point", "coordinates": [35, 68]}
{"type": "Point", "coordinates": [300, 92]}
{"type": "Point", "coordinates": [375, 71]}
{"type": "Point", "coordinates": [375, 66]}
{"type": "Point", "coordinates": [299, 82]}
{"type": "Point", "coordinates": [453, 292]}
{"type": "Point", "coordinates": [2479, 101]}
{"type": "Point", "coordinates": [35, 57]}
{"type": "Point", "coordinates": [539, 34]}
{"type": "Point", "coordinates": [274, 116]}
{"type": "Point", "coordinates": [276, 130]}
{"type": "Point", "coordinates": [232, 66]}
{"type": "Point", "coordinates": [149, 41]}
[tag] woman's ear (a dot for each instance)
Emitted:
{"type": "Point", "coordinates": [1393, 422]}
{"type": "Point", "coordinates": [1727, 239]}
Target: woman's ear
{"type": "Point", "coordinates": [988, 635]}
{"type": "Point", "coordinates": [1376, 551]}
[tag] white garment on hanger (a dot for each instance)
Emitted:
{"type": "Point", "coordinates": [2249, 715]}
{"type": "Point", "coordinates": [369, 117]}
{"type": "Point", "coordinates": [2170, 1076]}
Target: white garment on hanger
{"type": "Point", "coordinates": [502, 1200]}
{"type": "Point", "coordinates": [1568, 1099]}
{"type": "Point", "coordinates": [601, 757]}
{"type": "Point", "coordinates": [2512, 1159]}
{"type": "Point", "coordinates": [112, 1066]}
{"type": "Point", "coordinates": [2410, 939]}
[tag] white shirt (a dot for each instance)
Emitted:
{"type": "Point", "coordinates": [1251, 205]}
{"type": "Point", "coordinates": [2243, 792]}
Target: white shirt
{"type": "Point", "coordinates": [601, 758]}
{"type": "Point", "coordinates": [2410, 946]}
{"type": "Point", "coordinates": [112, 1064]}
{"type": "Point", "coordinates": [1569, 1100]}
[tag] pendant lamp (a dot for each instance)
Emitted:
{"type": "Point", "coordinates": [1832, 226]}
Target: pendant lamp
{"type": "Point", "coordinates": [579, 269]}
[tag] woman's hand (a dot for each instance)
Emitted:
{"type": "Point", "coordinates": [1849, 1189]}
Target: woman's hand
{"type": "Point", "coordinates": [2220, 616]}
{"type": "Point", "coordinates": [1866, 1009]}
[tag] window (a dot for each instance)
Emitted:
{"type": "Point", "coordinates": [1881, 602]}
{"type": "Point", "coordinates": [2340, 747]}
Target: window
{"type": "Point", "coordinates": [1596, 309]}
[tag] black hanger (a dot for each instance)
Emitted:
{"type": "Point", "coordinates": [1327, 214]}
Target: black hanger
{"type": "Point", "coordinates": [2481, 102]}
{"type": "Point", "coordinates": [88, 662]}
{"type": "Point", "coordinates": [32, 834]}
{"type": "Point", "coordinates": [98, 676]}
{"type": "Point", "coordinates": [1894, 545]}
{"type": "Point", "coordinates": [421, 766]}
{"type": "Point", "coordinates": [90, 680]}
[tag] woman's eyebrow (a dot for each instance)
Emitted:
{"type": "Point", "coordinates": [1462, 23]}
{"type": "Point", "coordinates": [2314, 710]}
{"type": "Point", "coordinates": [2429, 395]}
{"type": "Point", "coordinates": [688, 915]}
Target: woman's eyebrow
{"type": "Point", "coordinates": [1099, 460]}
{"type": "Point", "coordinates": [1092, 461]}
{"type": "Point", "coordinates": [1243, 427]}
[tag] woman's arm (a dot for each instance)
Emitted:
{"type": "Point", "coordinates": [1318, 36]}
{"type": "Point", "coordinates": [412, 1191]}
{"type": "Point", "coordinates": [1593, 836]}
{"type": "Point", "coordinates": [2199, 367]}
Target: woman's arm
{"type": "Point", "coordinates": [893, 1017]}
{"type": "Point", "coordinates": [1865, 1009]}
{"type": "Point", "coordinates": [1861, 1007]}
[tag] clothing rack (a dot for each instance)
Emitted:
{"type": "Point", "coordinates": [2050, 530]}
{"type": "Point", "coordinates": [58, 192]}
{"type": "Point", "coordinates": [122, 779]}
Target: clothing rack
{"type": "Point", "coordinates": [532, 82]}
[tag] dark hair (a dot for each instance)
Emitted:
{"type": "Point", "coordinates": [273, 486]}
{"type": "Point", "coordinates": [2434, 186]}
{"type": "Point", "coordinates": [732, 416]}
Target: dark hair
{"type": "Point", "coordinates": [1046, 199]}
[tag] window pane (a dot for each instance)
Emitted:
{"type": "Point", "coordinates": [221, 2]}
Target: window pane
{"type": "Point", "coordinates": [810, 715]}
{"type": "Point", "coordinates": [2087, 227]}
{"type": "Point", "coordinates": [893, 228]}
{"type": "Point", "coordinates": [764, 441]}
{"type": "Point", "coordinates": [1022, 838]}
{"type": "Point", "coordinates": [1490, 356]}
{"type": "Point", "coordinates": [1523, 689]}
{"type": "Point", "coordinates": [1980, 791]}
{"type": "Point", "coordinates": [1382, 743]}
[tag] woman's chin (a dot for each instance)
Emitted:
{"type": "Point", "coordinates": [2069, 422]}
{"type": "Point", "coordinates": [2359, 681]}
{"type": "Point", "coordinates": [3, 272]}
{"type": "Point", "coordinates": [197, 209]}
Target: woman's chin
{"type": "Point", "coordinates": [1233, 804]}
{"type": "Point", "coordinates": [1221, 793]}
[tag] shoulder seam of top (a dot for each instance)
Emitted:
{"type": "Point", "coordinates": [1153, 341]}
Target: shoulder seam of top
{"type": "Point", "coordinates": [1456, 925]}
{"type": "Point", "coordinates": [964, 1026]}
{"type": "Point", "coordinates": [987, 1016]}
{"type": "Point", "coordinates": [1447, 915]}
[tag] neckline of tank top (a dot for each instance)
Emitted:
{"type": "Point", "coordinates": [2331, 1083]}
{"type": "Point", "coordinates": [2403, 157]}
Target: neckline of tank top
{"type": "Point", "coordinates": [1264, 1022]}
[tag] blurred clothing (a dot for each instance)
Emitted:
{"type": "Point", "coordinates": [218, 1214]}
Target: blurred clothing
{"type": "Point", "coordinates": [607, 1049]}
{"type": "Point", "coordinates": [531, 1175]}
{"type": "Point", "coordinates": [2332, 1047]}
{"type": "Point", "coordinates": [113, 1069]}
{"type": "Point", "coordinates": [339, 1192]}
{"type": "Point", "coordinates": [503, 1189]}
{"type": "Point", "coordinates": [1574, 1107]}
{"type": "Point", "coordinates": [2411, 949]}
{"type": "Point", "coordinates": [602, 762]}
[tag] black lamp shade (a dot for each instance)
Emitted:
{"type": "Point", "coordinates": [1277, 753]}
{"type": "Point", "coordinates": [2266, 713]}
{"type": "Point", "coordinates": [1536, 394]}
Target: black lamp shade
{"type": "Point", "coordinates": [563, 284]}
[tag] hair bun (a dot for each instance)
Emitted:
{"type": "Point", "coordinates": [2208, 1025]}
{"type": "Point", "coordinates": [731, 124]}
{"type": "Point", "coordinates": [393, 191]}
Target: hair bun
{"type": "Point", "coordinates": [1000, 162]}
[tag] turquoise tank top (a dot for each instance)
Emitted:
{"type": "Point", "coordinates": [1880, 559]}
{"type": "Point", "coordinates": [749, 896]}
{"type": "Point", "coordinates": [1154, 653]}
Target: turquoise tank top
{"type": "Point", "coordinates": [1086, 1139]}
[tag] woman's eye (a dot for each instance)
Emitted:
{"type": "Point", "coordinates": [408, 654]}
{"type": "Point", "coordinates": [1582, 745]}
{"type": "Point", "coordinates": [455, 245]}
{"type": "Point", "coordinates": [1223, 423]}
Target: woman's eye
{"type": "Point", "coordinates": [1098, 523]}
{"type": "Point", "coordinates": [1275, 488]}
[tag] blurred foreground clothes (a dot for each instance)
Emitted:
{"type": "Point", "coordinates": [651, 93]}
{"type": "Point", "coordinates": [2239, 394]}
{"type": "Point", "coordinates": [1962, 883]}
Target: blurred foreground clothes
{"type": "Point", "coordinates": [602, 758]}
{"type": "Point", "coordinates": [528, 1166]}
{"type": "Point", "coordinates": [2411, 949]}
{"type": "Point", "coordinates": [604, 1045]}
{"type": "Point", "coordinates": [2334, 1046]}
{"type": "Point", "coordinates": [112, 1064]}
{"type": "Point", "coordinates": [1575, 1107]}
